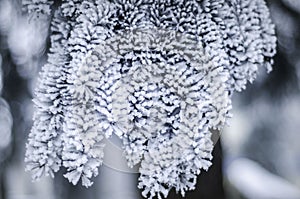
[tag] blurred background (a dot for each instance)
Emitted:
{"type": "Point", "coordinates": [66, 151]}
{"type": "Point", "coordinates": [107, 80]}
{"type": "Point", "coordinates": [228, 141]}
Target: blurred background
{"type": "Point", "coordinates": [257, 157]}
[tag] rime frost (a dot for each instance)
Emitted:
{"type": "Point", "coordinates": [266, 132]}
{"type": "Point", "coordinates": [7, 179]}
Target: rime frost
{"type": "Point", "coordinates": [158, 74]}
{"type": "Point", "coordinates": [37, 7]}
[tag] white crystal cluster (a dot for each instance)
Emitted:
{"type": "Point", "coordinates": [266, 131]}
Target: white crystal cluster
{"type": "Point", "coordinates": [37, 7]}
{"type": "Point", "coordinates": [157, 73]}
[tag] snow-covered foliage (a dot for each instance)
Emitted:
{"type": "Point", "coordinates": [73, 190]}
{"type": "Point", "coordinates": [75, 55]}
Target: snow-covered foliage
{"type": "Point", "coordinates": [38, 7]}
{"type": "Point", "coordinates": [159, 74]}
{"type": "Point", "coordinates": [247, 36]}
{"type": "Point", "coordinates": [163, 103]}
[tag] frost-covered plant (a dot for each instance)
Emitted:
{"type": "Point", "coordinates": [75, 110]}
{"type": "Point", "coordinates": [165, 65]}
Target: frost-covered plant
{"type": "Point", "coordinates": [158, 74]}
{"type": "Point", "coordinates": [165, 93]}
{"type": "Point", "coordinates": [247, 36]}
{"type": "Point", "coordinates": [38, 7]}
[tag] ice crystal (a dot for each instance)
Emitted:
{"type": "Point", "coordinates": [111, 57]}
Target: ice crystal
{"type": "Point", "coordinates": [158, 74]}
